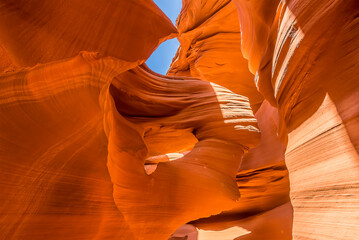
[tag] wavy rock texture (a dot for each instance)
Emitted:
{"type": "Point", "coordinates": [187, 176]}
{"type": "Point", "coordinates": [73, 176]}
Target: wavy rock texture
{"type": "Point", "coordinates": [97, 146]}
{"type": "Point", "coordinates": [199, 184]}
{"type": "Point", "coordinates": [202, 182]}
{"type": "Point", "coordinates": [38, 31]}
{"type": "Point", "coordinates": [305, 57]}
{"type": "Point", "coordinates": [54, 179]}
{"type": "Point", "coordinates": [210, 39]}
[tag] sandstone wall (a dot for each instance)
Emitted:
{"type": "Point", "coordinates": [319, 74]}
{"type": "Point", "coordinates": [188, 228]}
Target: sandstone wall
{"type": "Point", "coordinates": [252, 134]}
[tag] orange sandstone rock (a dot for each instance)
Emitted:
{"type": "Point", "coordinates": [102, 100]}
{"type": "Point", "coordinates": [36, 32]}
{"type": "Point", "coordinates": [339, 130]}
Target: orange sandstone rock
{"type": "Point", "coordinates": [89, 94]}
{"type": "Point", "coordinates": [38, 31]}
{"type": "Point", "coordinates": [55, 183]}
{"type": "Point", "coordinates": [97, 146]}
{"type": "Point", "coordinates": [202, 182]}
{"type": "Point", "coordinates": [210, 39]}
{"type": "Point", "coordinates": [306, 65]}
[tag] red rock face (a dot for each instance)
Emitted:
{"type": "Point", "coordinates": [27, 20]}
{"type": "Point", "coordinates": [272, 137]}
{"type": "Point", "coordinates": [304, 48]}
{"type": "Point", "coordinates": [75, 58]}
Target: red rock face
{"type": "Point", "coordinates": [95, 145]}
{"type": "Point", "coordinates": [211, 50]}
{"type": "Point", "coordinates": [308, 70]}
{"type": "Point", "coordinates": [41, 31]}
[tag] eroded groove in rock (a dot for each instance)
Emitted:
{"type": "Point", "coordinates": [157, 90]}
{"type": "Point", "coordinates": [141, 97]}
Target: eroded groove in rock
{"type": "Point", "coordinates": [202, 182]}
{"type": "Point", "coordinates": [210, 39]}
{"type": "Point", "coordinates": [305, 56]}
{"type": "Point", "coordinates": [54, 179]}
{"type": "Point", "coordinates": [198, 185]}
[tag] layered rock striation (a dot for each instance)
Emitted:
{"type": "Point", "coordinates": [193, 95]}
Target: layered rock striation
{"type": "Point", "coordinates": [305, 57]}
{"type": "Point", "coordinates": [252, 134]}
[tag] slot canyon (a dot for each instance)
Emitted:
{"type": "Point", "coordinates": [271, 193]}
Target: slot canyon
{"type": "Point", "coordinates": [252, 134]}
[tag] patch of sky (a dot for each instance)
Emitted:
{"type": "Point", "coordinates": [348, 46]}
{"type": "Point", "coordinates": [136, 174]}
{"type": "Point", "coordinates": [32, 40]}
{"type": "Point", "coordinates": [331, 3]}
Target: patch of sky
{"type": "Point", "coordinates": [161, 58]}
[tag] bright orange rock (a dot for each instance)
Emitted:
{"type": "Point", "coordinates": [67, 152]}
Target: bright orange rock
{"type": "Point", "coordinates": [134, 104]}
{"type": "Point", "coordinates": [210, 39]}
{"type": "Point", "coordinates": [94, 145]}
{"type": "Point", "coordinates": [305, 62]}
{"type": "Point", "coordinates": [199, 184]}
{"type": "Point", "coordinates": [55, 183]}
{"type": "Point", "coordinates": [38, 31]}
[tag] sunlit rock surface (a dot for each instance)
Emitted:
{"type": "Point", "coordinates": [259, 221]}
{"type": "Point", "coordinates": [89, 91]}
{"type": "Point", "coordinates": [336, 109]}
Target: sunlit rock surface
{"type": "Point", "coordinates": [94, 145]}
{"type": "Point", "coordinates": [305, 57]}
{"type": "Point", "coordinates": [210, 39]}
{"type": "Point", "coordinates": [96, 96]}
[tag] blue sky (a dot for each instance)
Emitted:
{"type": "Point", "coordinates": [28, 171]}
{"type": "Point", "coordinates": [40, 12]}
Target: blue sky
{"type": "Point", "coordinates": [161, 58]}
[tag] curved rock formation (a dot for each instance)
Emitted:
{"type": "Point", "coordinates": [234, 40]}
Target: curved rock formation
{"type": "Point", "coordinates": [94, 145]}
{"type": "Point", "coordinates": [136, 104]}
{"type": "Point", "coordinates": [38, 31]}
{"type": "Point", "coordinates": [199, 184]}
{"type": "Point", "coordinates": [305, 56]}
{"type": "Point", "coordinates": [54, 179]}
{"type": "Point", "coordinates": [210, 39]}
